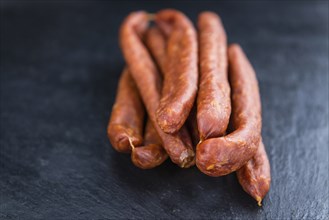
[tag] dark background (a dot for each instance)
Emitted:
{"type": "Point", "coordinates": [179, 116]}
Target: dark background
{"type": "Point", "coordinates": [60, 64]}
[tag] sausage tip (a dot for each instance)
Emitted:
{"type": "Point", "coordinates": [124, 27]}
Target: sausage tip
{"type": "Point", "coordinates": [259, 201]}
{"type": "Point", "coordinates": [149, 156]}
{"type": "Point", "coordinates": [187, 158]}
{"type": "Point", "coordinates": [165, 119]}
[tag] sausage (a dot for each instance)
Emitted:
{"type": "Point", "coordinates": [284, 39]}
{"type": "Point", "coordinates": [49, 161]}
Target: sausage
{"type": "Point", "coordinates": [151, 154]}
{"type": "Point", "coordinates": [125, 127]}
{"type": "Point", "coordinates": [181, 79]}
{"type": "Point", "coordinates": [255, 176]}
{"type": "Point", "coordinates": [223, 155]}
{"type": "Point", "coordinates": [149, 84]}
{"type": "Point", "coordinates": [213, 100]}
{"type": "Point", "coordinates": [156, 42]}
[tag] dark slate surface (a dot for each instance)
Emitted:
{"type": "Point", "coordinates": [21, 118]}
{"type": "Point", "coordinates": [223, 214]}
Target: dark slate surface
{"type": "Point", "coordinates": [60, 64]}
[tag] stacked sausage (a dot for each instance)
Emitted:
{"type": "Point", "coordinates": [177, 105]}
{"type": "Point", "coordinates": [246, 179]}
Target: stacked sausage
{"type": "Point", "coordinates": [189, 89]}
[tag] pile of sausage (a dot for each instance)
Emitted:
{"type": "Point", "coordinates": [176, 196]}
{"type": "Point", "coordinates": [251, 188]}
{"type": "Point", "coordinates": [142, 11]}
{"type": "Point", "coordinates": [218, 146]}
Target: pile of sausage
{"type": "Point", "coordinates": [186, 95]}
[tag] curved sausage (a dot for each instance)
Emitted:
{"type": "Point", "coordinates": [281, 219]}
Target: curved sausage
{"type": "Point", "coordinates": [151, 154]}
{"type": "Point", "coordinates": [181, 79]}
{"type": "Point", "coordinates": [148, 82]}
{"type": "Point", "coordinates": [255, 176]}
{"type": "Point", "coordinates": [156, 42]}
{"type": "Point", "coordinates": [125, 126]}
{"type": "Point", "coordinates": [223, 155]}
{"type": "Point", "coordinates": [213, 101]}
{"type": "Point", "coordinates": [126, 107]}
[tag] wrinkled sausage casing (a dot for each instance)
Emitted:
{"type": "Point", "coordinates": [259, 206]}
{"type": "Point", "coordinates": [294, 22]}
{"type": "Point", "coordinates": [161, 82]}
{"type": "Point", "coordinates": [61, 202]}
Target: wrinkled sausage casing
{"type": "Point", "coordinates": [213, 101]}
{"type": "Point", "coordinates": [223, 155]}
{"type": "Point", "coordinates": [151, 154]}
{"type": "Point", "coordinates": [255, 176]}
{"type": "Point", "coordinates": [148, 81]}
{"type": "Point", "coordinates": [127, 117]}
{"type": "Point", "coordinates": [181, 77]}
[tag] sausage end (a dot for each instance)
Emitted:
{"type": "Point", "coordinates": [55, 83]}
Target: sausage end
{"type": "Point", "coordinates": [123, 138]}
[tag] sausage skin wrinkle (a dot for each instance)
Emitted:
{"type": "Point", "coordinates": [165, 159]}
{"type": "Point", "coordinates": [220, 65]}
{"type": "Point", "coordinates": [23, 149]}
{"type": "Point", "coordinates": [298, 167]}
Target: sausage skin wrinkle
{"type": "Point", "coordinates": [223, 155]}
{"type": "Point", "coordinates": [181, 75]}
{"type": "Point", "coordinates": [213, 101]}
{"type": "Point", "coordinates": [151, 154]}
{"type": "Point", "coordinates": [255, 176]}
{"type": "Point", "coordinates": [148, 82]}
{"type": "Point", "coordinates": [127, 117]}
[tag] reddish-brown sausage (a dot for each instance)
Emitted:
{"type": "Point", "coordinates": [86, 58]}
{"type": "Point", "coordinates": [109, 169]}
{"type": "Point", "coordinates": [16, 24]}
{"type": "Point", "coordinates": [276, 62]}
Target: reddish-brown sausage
{"type": "Point", "coordinates": [181, 78]}
{"type": "Point", "coordinates": [156, 42]}
{"type": "Point", "coordinates": [148, 81]}
{"type": "Point", "coordinates": [255, 176]}
{"type": "Point", "coordinates": [223, 155]}
{"type": "Point", "coordinates": [126, 122]}
{"type": "Point", "coordinates": [151, 154]}
{"type": "Point", "coordinates": [213, 101]}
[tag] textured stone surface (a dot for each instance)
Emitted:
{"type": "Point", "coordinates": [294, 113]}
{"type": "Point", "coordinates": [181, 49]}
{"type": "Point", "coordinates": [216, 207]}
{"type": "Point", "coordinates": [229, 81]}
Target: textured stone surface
{"type": "Point", "coordinates": [60, 64]}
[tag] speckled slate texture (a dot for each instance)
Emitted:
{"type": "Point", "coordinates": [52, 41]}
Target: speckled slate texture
{"type": "Point", "coordinates": [60, 64]}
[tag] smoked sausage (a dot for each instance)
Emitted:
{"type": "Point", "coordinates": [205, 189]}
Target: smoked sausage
{"type": "Point", "coordinates": [213, 100]}
{"type": "Point", "coordinates": [223, 155]}
{"type": "Point", "coordinates": [255, 176]}
{"type": "Point", "coordinates": [148, 81]}
{"type": "Point", "coordinates": [125, 127]}
{"type": "Point", "coordinates": [124, 115]}
{"type": "Point", "coordinates": [156, 42]}
{"type": "Point", "coordinates": [181, 77]}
